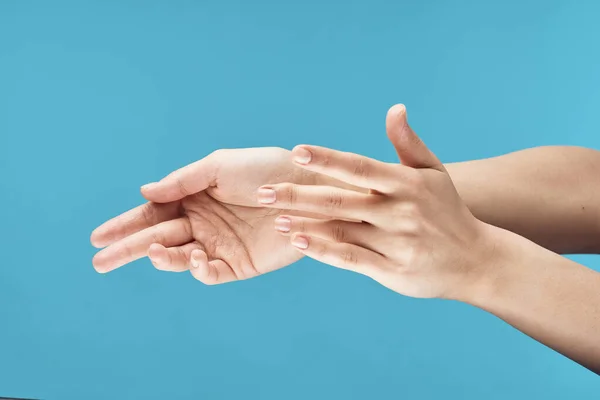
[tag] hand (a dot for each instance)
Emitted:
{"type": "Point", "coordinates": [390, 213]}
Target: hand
{"type": "Point", "coordinates": [205, 214]}
{"type": "Point", "coordinates": [414, 233]}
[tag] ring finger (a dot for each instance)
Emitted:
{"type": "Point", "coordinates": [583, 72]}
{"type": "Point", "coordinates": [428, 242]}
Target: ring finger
{"type": "Point", "coordinates": [326, 200]}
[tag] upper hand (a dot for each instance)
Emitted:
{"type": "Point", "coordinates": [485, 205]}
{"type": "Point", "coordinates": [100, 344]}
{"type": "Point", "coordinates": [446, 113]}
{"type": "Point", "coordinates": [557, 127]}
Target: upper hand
{"type": "Point", "coordinates": [413, 233]}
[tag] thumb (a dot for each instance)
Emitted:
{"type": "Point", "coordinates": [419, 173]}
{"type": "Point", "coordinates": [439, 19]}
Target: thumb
{"type": "Point", "coordinates": [183, 182]}
{"type": "Point", "coordinates": [410, 148]}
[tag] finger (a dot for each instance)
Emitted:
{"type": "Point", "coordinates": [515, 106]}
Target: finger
{"type": "Point", "coordinates": [170, 233]}
{"type": "Point", "coordinates": [332, 230]}
{"type": "Point", "coordinates": [352, 168]}
{"type": "Point", "coordinates": [326, 200]}
{"type": "Point", "coordinates": [211, 272]}
{"type": "Point", "coordinates": [410, 148]}
{"type": "Point", "coordinates": [133, 221]}
{"type": "Point", "coordinates": [173, 259]}
{"type": "Point", "coordinates": [183, 182]}
{"type": "Point", "coordinates": [342, 255]}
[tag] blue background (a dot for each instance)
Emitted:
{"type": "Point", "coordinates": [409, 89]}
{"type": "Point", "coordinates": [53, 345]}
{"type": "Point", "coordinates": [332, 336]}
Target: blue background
{"type": "Point", "coordinates": [97, 98]}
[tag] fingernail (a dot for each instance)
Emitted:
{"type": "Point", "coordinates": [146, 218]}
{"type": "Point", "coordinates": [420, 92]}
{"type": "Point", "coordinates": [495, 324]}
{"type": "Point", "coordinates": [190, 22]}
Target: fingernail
{"type": "Point", "coordinates": [302, 155]}
{"type": "Point", "coordinates": [195, 260]}
{"type": "Point", "coordinates": [266, 196]}
{"type": "Point", "coordinates": [148, 185]}
{"type": "Point", "coordinates": [283, 224]}
{"type": "Point", "coordinates": [300, 242]}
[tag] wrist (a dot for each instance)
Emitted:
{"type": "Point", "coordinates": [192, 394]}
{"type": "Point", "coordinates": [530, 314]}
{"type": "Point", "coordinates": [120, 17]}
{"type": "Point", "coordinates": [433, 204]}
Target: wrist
{"type": "Point", "coordinates": [497, 252]}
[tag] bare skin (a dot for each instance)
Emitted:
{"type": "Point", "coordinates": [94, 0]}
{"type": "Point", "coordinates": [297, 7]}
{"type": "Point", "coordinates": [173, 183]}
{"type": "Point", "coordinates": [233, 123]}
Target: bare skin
{"type": "Point", "coordinates": [415, 235]}
{"type": "Point", "coordinates": [205, 218]}
{"type": "Point", "coordinates": [511, 191]}
{"type": "Point", "coordinates": [546, 194]}
{"type": "Point", "coordinates": [216, 213]}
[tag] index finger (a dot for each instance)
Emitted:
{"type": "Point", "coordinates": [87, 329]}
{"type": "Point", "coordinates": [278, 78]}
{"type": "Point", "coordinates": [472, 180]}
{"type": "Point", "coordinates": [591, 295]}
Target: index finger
{"type": "Point", "coordinates": [351, 168]}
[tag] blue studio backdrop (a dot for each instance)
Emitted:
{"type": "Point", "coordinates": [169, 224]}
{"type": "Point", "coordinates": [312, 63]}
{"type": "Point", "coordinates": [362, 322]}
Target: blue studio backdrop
{"type": "Point", "coordinates": [100, 97]}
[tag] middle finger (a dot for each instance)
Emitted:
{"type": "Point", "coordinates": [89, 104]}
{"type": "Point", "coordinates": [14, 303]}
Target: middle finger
{"type": "Point", "coordinates": [325, 200]}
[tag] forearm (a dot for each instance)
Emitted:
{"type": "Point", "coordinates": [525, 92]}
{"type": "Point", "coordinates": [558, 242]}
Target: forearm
{"type": "Point", "coordinates": [550, 195]}
{"type": "Point", "coordinates": [548, 297]}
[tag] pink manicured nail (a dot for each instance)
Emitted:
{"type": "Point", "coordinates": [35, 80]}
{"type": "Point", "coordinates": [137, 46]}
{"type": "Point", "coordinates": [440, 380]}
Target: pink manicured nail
{"type": "Point", "coordinates": [300, 242]}
{"type": "Point", "coordinates": [301, 155]}
{"type": "Point", "coordinates": [283, 224]}
{"type": "Point", "coordinates": [266, 196]}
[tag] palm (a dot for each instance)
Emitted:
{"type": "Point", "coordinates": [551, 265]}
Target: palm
{"type": "Point", "coordinates": [241, 236]}
{"type": "Point", "coordinates": [228, 222]}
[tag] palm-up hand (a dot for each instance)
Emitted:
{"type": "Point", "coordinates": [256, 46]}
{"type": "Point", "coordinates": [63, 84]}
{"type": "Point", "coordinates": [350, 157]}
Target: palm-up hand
{"type": "Point", "coordinates": [205, 216]}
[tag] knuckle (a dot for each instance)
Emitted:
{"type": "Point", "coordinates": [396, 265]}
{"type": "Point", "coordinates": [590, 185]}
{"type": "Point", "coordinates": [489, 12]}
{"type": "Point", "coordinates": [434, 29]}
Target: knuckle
{"type": "Point", "coordinates": [149, 214]}
{"type": "Point", "coordinates": [407, 210]}
{"type": "Point", "coordinates": [410, 227]}
{"type": "Point", "coordinates": [334, 200]}
{"type": "Point", "coordinates": [414, 139]}
{"type": "Point", "coordinates": [349, 258]}
{"type": "Point", "coordinates": [187, 228]}
{"type": "Point", "coordinates": [411, 209]}
{"type": "Point", "coordinates": [290, 193]}
{"type": "Point", "coordinates": [407, 134]}
{"type": "Point", "coordinates": [157, 237]}
{"type": "Point", "coordinates": [293, 194]}
{"type": "Point", "coordinates": [301, 225]}
{"type": "Point", "coordinates": [321, 250]}
{"type": "Point", "coordinates": [181, 257]}
{"type": "Point", "coordinates": [325, 158]}
{"type": "Point", "coordinates": [127, 252]}
{"type": "Point", "coordinates": [181, 186]}
{"type": "Point", "coordinates": [361, 168]}
{"type": "Point", "coordinates": [338, 233]}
